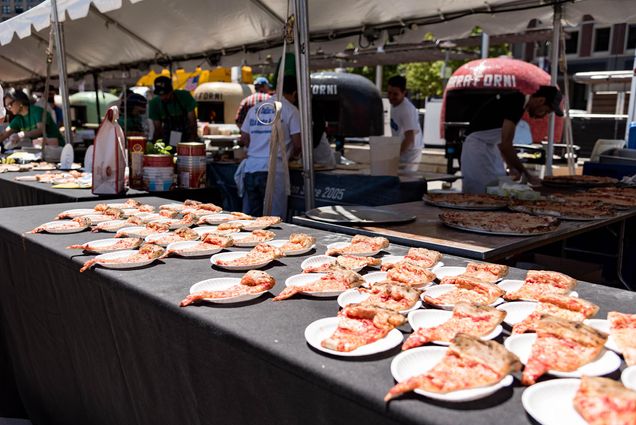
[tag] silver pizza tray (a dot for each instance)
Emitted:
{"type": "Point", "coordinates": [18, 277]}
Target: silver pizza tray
{"type": "Point", "coordinates": [463, 207]}
{"type": "Point", "coordinates": [496, 233]}
{"type": "Point", "coordinates": [357, 214]}
{"type": "Point", "coordinates": [560, 217]}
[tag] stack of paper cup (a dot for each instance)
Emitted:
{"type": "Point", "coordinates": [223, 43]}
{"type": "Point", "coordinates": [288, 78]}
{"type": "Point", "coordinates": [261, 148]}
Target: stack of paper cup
{"type": "Point", "coordinates": [191, 165]}
{"type": "Point", "coordinates": [158, 172]}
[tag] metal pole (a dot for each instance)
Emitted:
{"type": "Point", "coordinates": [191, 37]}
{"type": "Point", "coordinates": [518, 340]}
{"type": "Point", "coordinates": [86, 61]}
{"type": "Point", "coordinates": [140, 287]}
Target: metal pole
{"type": "Point", "coordinates": [61, 63]}
{"type": "Point", "coordinates": [301, 47]}
{"type": "Point", "coordinates": [379, 71]}
{"type": "Point", "coordinates": [554, 72]}
{"type": "Point", "coordinates": [485, 45]}
{"type": "Point", "coordinates": [97, 106]}
{"type": "Point", "coordinates": [631, 112]}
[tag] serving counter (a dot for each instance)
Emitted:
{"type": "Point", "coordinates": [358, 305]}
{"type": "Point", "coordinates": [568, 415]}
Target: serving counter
{"type": "Point", "coordinates": [113, 347]}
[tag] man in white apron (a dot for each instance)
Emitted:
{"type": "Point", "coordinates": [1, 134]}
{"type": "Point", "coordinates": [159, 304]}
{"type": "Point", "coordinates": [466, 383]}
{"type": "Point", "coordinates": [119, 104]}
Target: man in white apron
{"type": "Point", "coordinates": [405, 124]}
{"type": "Point", "coordinates": [255, 136]}
{"type": "Point", "coordinates": [491, 132]}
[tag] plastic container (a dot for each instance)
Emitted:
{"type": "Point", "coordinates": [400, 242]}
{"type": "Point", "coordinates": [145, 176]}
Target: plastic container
{"type": "Point", "coordinates": [385, 155]}
{"type": "Point", "coordinates": [631, 136]}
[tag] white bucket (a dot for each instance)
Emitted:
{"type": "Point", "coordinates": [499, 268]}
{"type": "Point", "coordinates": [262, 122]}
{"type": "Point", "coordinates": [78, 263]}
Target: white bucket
{"type": "Point", "coordinates": [385, 155]}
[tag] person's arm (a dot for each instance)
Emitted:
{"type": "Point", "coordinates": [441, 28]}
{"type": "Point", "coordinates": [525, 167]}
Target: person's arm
{"type": "Point", "coordinates": [35, 133]}
{"type": "Point", "coordinates": [297, 145]}
{"type": "Point", "coordinates": [408, 142]}
{"type": "Point", "coordinates": [5, 134]}
{"type": "Point", "coordinates": [158, 134]}
{"type": "Point", "coordinates": [508, 152]}
{"type": "Point", "coordinates": [192, 121]}
{"type": "Point", "coordinates": [245, 139]}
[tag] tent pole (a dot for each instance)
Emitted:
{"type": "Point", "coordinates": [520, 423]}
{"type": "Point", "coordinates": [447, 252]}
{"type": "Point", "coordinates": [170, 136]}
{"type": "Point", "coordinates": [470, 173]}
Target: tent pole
{"type": "Point", "coordinates": [554, 73]}
{"type": "Point", "coordinates": [485, 45]}
{"type": "Point", "coordinates": [301, 47]}
{"type": "Point", "coordinates": [61, 63]}
{"type": "Point", "coordinates": [96, 88]}
{"type": "Point", "coordinates": [379, 71]}
{"type": "Point", "coordinates": [631, 112]}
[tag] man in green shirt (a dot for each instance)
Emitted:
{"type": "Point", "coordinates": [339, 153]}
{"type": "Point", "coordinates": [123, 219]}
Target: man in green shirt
{"type": "Point", "coordinates": [133, 121]}
{"type": "Point", "coordinates": [27, 122]}
{"type": "Point", "coordinates": [172, 111]}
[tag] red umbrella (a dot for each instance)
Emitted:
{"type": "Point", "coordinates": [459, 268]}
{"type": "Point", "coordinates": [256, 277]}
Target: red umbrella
{"type": "Point", "coordinates": [497, 74]}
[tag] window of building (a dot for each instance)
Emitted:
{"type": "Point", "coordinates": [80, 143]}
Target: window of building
{"type": "Point", "coordinates": [631, 37]}
{"type": "Point", "coordinates": [572, 43]}
{"type": "Point", "coordinates": [6, 10]}
{"type": "Point", "coordinates": [5, 1]}
{"type": "Point", "coordinates": [602, 39]}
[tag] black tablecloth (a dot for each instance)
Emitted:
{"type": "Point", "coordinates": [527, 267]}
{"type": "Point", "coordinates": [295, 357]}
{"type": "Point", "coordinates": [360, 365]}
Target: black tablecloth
{"type": "Point", "coordinates": [19, 193]}
{"type": "Point", "coordinates": [113, 347]}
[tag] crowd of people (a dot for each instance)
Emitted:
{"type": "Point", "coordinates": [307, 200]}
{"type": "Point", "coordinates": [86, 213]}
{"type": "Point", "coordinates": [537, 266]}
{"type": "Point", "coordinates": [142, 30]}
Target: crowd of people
{"type": "Point", "coordinates": [487, 152]}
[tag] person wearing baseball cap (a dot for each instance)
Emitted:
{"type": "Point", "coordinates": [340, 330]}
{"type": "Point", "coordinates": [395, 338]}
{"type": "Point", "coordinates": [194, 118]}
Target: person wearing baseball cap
{"type": "Point", "coordinates": [488, 147]}
{"type": "Point", "coordinates": [172, 112]}
{"type": "Point", "coordinates": [263, 92]}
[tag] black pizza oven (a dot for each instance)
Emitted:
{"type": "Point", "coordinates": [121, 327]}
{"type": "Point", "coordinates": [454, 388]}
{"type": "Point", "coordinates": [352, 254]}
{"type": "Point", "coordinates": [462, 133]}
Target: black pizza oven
{"type": "Point", "coordinates": [349, 103]}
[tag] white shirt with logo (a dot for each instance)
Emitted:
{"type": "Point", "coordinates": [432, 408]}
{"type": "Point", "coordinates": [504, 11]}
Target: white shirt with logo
{"type": "Point", "coordinates": [404, 117]}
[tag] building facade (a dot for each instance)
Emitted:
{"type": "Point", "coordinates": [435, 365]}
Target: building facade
{"type": "Point", "coordinates": [11, 8]}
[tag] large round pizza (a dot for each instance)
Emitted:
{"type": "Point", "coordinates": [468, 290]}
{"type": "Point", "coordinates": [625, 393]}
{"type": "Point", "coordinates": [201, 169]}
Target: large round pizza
{"type": "Point", "coordinates": [563, 210]}
{"type": "Point", "coordinates": [466, 201]}
{"type": "Point", "coordinates": [500, 223]}
{"type": "Point", "coordinates": [578, 181]}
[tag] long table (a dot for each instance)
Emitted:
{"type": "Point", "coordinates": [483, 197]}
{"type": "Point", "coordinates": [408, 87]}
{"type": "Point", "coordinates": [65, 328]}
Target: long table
{"type": "Point", "coordinates": [15, 193]}
{"type": "Point", "coordinates": [429, 232]}
{"type": "Point", "coordinates": [113, 347]}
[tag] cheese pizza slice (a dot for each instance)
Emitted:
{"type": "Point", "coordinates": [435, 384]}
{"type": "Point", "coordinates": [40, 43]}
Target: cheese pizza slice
{"type": "Point", "coordinates": [568, 308]}
{"type": "Point", "coordinates": [392, 295]}
{"type": "Point", "coordinates": [563, 346]}
{"type": "Point", "coordinates": [542, 282]}
{"type": "Point", "coordinates": [482, 271]}
{"type": "Point", "coordinates": [469, 319]}
{"type": "Point", "coordinates": [469, 290]}
{"type": "Point", "coordinates": [410, 274]}
{"type": "Point", "coordinates": [603, 401]}
{"type": "Point", "coordinates": [360, 325]}
{"type": "Point", "coordinates": [423, 257]}
{"type": "Point", "coordinates": [623, 330]}
{"type": "Point", "coordinates": [468, 363]}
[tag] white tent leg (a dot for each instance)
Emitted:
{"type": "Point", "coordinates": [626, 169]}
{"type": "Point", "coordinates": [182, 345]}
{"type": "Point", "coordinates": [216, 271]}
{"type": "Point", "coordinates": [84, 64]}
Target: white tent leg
{"type": "Point", "coordinates": [301, 46]}
{"type": "Point", "coordinates": [485, 45]}
{"type": "Point", "coordinates": [631, 112]}
{"type": "Point", "coordinates": [379, 71]}
{"type": "Point", "coordinates": [61, 63]}
{"type": "Point", "coordinates": [554, 72]}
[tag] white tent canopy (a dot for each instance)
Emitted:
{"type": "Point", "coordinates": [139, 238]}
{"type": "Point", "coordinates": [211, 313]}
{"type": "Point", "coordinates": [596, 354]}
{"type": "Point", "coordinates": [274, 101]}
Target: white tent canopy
{"type": "Point", "coordinates": [117, 34]}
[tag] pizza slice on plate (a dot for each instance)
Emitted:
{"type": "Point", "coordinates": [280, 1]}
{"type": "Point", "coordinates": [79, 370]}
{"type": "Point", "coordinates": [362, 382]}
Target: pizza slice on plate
{"type": "Point", "coordinates": [473, 320]}
{"type": "Point", "coordinates": [568, 308]}
{"type": "Point", "coordinates": [603, 401]}
{"type": "Point", "coordinates": [542, 282]}
{"type": "Point", "coordinates": [355, 262]}
{"type": "Point", "coordinates": [361, 244]}
{"type": "Point", "coordinates": [336, 280]}
{"type": "Point", "coordinates": [485, 272]}
{"type": "Point", "coordinates": [469, 290]}
{"type": "Point", "coordinates": [360, 325]}
{"type": "Point", "coordinates": [391, 295]}
{"type": "Point", "coordinates": [563, 346]}
{"type": "Point", "coordinates": [423, 257]}
{"type": "Point", "coordinates": [410, 274]}
{"type": "Point", "coordinates": [623, 330]}
{"type": "Point", "coordinates": [468, 363]}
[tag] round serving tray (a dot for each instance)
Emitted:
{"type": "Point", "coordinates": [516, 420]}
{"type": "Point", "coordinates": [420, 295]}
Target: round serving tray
{"type": "Point", "coordinates": [357, 214]}
{"type": "Point", "coordinates": [496, 233]}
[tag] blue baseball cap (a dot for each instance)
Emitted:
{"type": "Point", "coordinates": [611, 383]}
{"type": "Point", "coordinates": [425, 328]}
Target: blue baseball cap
{"type": "Point", "coordinates": [261, 81]}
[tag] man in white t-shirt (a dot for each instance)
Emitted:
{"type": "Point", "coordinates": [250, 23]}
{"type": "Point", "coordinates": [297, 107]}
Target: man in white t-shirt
{"type": "Point", "coordinates": [256, 137]}
{"type": "Point", "coordinates": [405, 124]}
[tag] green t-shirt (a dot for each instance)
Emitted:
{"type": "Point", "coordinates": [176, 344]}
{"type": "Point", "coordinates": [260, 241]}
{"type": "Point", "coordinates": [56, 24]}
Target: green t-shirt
{"type": "Point", "coordinates": [30, 122]}
{"type": "Point", "coordinates": [132, 123]}
{"type": "Point", "coordinates": [180, 104]}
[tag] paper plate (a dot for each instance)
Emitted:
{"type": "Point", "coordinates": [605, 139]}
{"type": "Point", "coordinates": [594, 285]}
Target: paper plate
{"type": "Point", "coordinates": [339, 245]}
{"type": "Point", "coordinates": [374, 277]}
{"type": "Point", "coordinates": [181, 249]}
{"type": "Point", "coordinates": [250, 225]}
{"type": "Point", "coordinates": [607, 361]}
{"type": "Point", "coordinates": [353, 296]}
{"type": "Point", "coordinates": [552, 402]}
{"type": "Point", "coordinates": [308, 278]}
{"type": "Point", "coordinates": [512, 285]}
{"type": "Point", "coordinates": [604, 326]}
{"type": "Point", "coordinates": [449, 271]}
{"type": "Point", "coordinates": [98, 218]}
{"type": "Point", "coordinates": [319, 260]}
{"type": "Point", "coordinates": [220, 284]}
{"type": "Point", "coordinates": [203, 230]}
{"type": "Point", "coordinates": [431, 318]}
{"type": "Point", "coordinates": [392, 259]}
{"type": "Point", "coordinates": [229, 256]}
{"type": "Point", "coordinates": [290, 253]}
{"type": "Point", "coordinates": [322, 329]}
{"type": "Point", "coordinates": [121, 254]}
{"type": "Point", "coordinates": [517, 311]}
{"type": "Point", "coordinates": [217, 218]}
{"type": "Point", "coordinates": [420, 360]}
{"type": "Point", "coordinates": [135, 231]}
{"type": "Point", "coordinates": [58, 227]}
{"type": "Point", "coordinates": [437, 290]}
{"type": "Point", "coordinates": [628, 377]}
{"type": "Point", "coordinates": [102, 246]}
{"type": "Point", "coordinates": [172, 207]}
{"type": "Point", "coordinates": [172, 222]}
{"type": "Point", "coordinates": [239, 240]}
{"type": "Point", "coordinates": [111, 226]}
{"type": "Point", "coordinates": [78, 212]}
{"type": "Point", "coordinates": [156, 239]}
